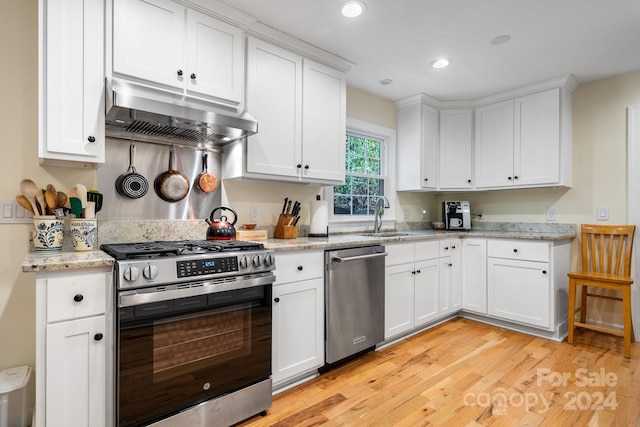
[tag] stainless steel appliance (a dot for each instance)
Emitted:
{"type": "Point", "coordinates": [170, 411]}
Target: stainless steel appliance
{"type": "Point", "coordinates": [354, 287]}
{"type": "Point", "coordinates": [193, 321]}
{"type": "Point", "coordinates": [456, 215]}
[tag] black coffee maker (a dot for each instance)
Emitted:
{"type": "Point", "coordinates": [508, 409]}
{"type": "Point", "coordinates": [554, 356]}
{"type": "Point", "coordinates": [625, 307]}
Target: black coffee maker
{"type": "Point", "coordinates": [456, 215]}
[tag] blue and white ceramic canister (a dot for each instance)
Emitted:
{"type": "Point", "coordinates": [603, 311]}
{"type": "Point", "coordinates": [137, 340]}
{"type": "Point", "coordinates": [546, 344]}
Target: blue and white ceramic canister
{"type": "Point", "coordinates": [48, 233]}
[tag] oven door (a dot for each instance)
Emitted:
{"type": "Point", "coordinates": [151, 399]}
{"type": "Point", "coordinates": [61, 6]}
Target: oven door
{"type": "Point", "coordinates": [179, 352]}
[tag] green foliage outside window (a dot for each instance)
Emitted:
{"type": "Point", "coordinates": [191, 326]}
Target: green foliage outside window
{"type": "Point", "coordinates": [364, 181]}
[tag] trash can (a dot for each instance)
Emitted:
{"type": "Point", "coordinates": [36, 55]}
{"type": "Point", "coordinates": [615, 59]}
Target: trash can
{"type": "Point", "coordinates": [13, 405]}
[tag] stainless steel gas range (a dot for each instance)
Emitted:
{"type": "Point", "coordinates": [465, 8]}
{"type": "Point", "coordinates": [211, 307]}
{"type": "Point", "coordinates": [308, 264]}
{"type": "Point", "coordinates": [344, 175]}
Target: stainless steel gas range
{"type": "Point", "coordinates": [193, 321]}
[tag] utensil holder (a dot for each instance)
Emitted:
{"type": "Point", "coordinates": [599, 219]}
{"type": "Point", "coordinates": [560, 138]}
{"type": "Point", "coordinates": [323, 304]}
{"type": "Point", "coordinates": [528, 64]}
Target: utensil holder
{"type": "Point", "coordinates": [283, 228]}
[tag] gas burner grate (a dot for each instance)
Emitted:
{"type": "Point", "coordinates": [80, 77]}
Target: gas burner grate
{"type": "Point", "coordinates": [122, 251]}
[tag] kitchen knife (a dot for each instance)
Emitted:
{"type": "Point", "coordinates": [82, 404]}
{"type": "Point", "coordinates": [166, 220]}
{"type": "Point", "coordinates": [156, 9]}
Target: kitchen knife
{"type": "Point", "coordinates": [296, 208]}
{"type": "Point", "coordinates": [284, 207]}
{"type": "Point", "coordinates": [288, 207]}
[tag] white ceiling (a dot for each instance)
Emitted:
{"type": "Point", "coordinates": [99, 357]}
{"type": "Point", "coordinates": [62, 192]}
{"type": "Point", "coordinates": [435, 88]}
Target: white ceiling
{"type": "Point", "coordinates": [398, 40]}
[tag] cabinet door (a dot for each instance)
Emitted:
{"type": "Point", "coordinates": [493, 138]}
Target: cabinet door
{"type": "Point", "coordinates": [519, 291]}
{"type": "Point", "coordinates": [298, 328]}
{"type": "Point", "coordinates": [426, 291]}
{"type": "Point", "coordinates": [75, 380]}
{"type": "Point", "coordinates": [456, 275]}
{"type": "Point", "coordinates": [444, 271]}
{"type": "Point", "coordinates": [323, 122]}
{"type": "Point", "coordinates": [274, 99]}
{"type": "Point", "coordinates": [149, 41]}
{"type": "Point", "coordinates": [494, 146]}
{"type": "Point", "coordinates": [72, 119]}
{"type": "Point", "coordinates": [455, 149]}
{"type": "Point", "coordinates": [537, 139]}
{"type": "Point", "coordinates": [474, 275]}
{"type": "Point", "coordinates": [398, 299]}
{"type": "Point", "coordinates": [214, 58]}
{"type": "Point", "coordinates": [417, 131]}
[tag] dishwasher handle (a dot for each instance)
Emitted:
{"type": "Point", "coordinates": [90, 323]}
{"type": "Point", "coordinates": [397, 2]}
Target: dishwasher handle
{"type": "Point", "coordinates": [357, 257]}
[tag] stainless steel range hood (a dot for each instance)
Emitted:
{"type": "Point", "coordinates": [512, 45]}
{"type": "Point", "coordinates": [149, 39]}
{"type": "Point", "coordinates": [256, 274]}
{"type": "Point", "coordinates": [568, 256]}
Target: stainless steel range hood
{"type": "Point", "coordinates": [148, 114]}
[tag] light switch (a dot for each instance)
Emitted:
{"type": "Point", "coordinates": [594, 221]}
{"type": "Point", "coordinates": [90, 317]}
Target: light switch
{"type": "Point", "coordinates": [7, 211]}
{"type": "Point", "coordinates": [603, 213]}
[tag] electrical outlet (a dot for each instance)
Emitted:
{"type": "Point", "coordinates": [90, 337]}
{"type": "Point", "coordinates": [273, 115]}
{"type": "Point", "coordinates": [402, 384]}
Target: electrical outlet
{"type": "Point", "coordinates": [480, 212]}
{"type": "Point", "coordinates": [551, 214]}
{"type": "Point", "coordinates": [255, 213]}
{"type": "Point", "coordinates": [406, 213]}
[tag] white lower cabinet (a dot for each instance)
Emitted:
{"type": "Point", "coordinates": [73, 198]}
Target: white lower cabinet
{"type": "Point", "coordinates": [514, 286]}
{"type": "Point", "coordinates": [418, 284]}
{"type": "Point", "coordinates": [74, 348]}
{"type": "Point", "coordinates": [298, 315]}
{"type": "Point", "coordinates": [474, 275]}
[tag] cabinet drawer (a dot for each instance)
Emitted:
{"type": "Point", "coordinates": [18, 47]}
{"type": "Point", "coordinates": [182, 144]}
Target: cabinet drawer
{"type": "Point", "coordinates": [296, 266]}
{"type": "Point", "coordinates": [398, 253]}
{"type": "Point", "coordinates": [518, 249]}
{"type": "Point", "coordinates": [75, 296]}
{"type": "Point", "coordinates": [427, 250]}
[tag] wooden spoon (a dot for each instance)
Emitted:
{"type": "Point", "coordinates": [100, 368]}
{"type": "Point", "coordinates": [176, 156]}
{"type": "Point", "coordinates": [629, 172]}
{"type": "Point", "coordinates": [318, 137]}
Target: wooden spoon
{"type": "Point", "coordinates": [22, 201]}
{"type": "Point", "coordinates": [30, 190]}
{"type": "Point", "coordinates": [61, 199]}
{"type": "Point", "coordinates": [50, 199]}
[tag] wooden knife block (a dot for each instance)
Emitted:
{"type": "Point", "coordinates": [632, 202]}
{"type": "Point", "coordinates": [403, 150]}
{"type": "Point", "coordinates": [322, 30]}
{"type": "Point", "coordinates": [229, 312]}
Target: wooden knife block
{"type": "Point", "coordinates": [283, 229]}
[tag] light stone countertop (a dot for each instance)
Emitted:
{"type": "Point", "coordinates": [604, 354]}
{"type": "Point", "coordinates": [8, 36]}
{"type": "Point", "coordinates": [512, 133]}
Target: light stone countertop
{"type": "Point", "coordinates": [68, 260]}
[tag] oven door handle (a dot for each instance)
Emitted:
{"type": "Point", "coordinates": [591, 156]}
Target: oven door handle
{"type": "Point", "coordinates": [133, 297]}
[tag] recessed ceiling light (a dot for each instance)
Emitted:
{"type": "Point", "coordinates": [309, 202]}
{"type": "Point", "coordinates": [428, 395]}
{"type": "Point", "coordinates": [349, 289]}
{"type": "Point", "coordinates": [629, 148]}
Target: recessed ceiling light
{"type": "Point", "coordinates": [386, 81]}
{"type": "Point", "coordinates": [441, 63]}
{"type": "Point", "coordinates": [353, 8]}
{"type": "Point", "coordinates": [501, 39]}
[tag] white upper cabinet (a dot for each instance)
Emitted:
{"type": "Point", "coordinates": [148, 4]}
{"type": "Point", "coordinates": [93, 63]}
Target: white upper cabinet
{"type": "Point", "coordinates": [71, 88]}
{"type": "Point", "coordinates": [456, 139]}
{"type": "Point", "coordinates": [520, 142]}
{"type": "Point", "coordinates": [166, 44]}
{"type": "Point", "coordinates": [519, 139]}
{"type": "Point", "coordinates": [300, 106]}
{"type": "Point", "coordinates": [417, 147]}
{"type": "Point", "coordinates": [494, 145]}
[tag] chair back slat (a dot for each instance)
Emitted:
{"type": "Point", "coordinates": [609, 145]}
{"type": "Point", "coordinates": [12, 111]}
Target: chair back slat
{"type": "Point", "coordinates": [607, 248]}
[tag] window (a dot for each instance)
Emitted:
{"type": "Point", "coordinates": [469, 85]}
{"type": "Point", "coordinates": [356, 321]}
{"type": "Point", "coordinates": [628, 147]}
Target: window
{"type": "Point", "coordinates": [364, 176]}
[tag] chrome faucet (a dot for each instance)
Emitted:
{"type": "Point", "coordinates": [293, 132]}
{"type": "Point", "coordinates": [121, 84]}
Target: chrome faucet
{"type": "Point", "coordinates": [381, 204]}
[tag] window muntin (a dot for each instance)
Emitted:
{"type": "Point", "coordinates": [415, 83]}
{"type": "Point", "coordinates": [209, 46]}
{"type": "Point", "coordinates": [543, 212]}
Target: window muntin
{"type": "Point", "coordinates": [364, 176]}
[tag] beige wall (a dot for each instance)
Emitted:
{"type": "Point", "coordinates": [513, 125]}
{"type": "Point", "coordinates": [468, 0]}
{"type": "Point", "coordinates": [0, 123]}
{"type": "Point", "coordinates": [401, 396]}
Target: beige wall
{"type": "Point", "coordinates": [599, 169]}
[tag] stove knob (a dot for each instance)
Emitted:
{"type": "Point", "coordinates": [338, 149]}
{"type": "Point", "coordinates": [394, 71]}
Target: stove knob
{"type": "Point", "coordinates": [131, 273]}
{"type": "Point", "coordinates": [257, 261]}
{"type": "Point", "coordinates": [244, 262]}
{"type": "Point", "coordinates": [268, 260]}
{"type": "Point", "coordinates": [150, 271]}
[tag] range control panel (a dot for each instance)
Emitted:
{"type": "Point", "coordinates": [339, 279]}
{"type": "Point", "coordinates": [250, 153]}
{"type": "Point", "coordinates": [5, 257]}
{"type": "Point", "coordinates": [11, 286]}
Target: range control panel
{"type": "Point", "coordinates": [201, 267]}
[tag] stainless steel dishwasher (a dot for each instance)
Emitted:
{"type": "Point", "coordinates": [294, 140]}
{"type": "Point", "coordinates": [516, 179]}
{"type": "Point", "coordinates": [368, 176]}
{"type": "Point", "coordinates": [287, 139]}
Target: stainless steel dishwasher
{"type": "Point", "coordinates": [354, 313]}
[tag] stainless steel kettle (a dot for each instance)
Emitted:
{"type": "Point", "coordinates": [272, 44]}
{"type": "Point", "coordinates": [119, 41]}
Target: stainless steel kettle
{"type": "Point", "coordinates": [221, 229]}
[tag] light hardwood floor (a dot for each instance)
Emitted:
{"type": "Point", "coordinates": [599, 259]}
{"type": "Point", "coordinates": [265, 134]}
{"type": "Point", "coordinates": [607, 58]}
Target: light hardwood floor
{"type": "Point", "coordinates": [465, 373]}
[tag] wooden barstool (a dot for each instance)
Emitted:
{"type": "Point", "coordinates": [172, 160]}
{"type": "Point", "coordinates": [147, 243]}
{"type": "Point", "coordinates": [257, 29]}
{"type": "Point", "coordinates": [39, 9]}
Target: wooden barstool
{"type": "Point", "coordinates": [606, 264]}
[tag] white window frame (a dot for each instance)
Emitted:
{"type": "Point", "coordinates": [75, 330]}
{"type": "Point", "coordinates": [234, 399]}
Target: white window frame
{"type": "Point", "coordinates": [345, 223]}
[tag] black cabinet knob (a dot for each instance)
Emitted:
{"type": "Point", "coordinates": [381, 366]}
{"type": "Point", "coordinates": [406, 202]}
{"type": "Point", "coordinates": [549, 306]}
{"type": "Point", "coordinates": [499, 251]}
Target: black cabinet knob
{"type": "Point", "coordinates": [453, 247]}
{"type": "Point", "coordinates": [193, 76]}
{"type": "Point", "coordinates": [515, 250]}
{"type": "Point", "coordinates": [509, 178]}
{"type": "Point", "coordinates": [91, 139]}
{"type": "Point", "coordinates": [306, 167]}
{"type": "Point", "coordinates": [413, 272]}
{"type": "Point", "coordinates": [426, 179]}
{"type": "Point", "coordinates": [515, 177]}
{"type": "Point", "coordinates": [300, 268]}
{"type": "Point", "coordinates": [78, 298]}
{"type": "Point", "coordinates": [299, 166]}
{"type": "Point", "coordinates": [179, 72]}
{"type": "Point", "coordinates": [418, 271]}
{"type": "Point", "coordinates": [446, 248]}
{"type": "Point", "coordinates": [98, 336]}
{"type": "Point", "coordinates": [276, 299]}
{"type": "Point", "coordinates": [450, 265]}
{"type": "Point", "coordinates": [469, 181]}
{"type": "Point", "coordinates": [544, 271]}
